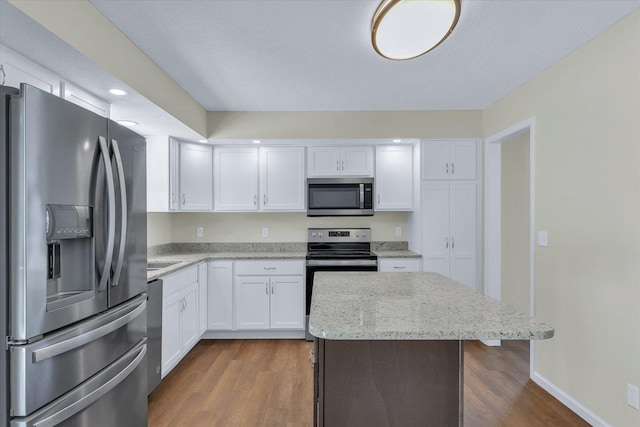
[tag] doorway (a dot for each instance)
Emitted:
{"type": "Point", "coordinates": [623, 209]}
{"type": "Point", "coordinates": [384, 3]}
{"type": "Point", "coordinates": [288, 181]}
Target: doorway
{"type": "Point", "coordinates": [509, 223]}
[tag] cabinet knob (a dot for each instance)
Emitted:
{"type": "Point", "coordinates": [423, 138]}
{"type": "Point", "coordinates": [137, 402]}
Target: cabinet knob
{"type": "Point", "coordinates": [255, 200]}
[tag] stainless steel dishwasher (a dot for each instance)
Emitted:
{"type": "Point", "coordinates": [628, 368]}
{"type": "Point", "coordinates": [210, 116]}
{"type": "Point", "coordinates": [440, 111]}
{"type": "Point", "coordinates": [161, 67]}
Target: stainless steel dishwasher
{"type": "Point", "coordinates": [154, 334]}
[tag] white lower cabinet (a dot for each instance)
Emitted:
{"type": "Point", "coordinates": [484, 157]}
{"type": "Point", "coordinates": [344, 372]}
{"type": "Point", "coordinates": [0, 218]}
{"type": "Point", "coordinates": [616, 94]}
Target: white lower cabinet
{"type": "Point", "coordinates": [399, 264]}
{"type": "Point", "coordinates": [269, 295]}
{"type": "Point", "coordinates": [449, 230]}
{"type": "Point", "coordinates": [180, 322]}
{"type": "Point", "coordinates": [220, 296]}
{"type": "Point", "coordinates": [202, 298]}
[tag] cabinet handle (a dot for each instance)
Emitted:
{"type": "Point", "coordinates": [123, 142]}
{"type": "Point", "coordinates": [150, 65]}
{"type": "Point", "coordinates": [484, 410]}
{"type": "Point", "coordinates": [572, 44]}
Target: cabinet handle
{"type": "Point", "coordinates": [338, 165]}
{"type": "Point", "coordinates": [453, 243]}
{"type": "Point", "coordinates": [264, 199]}
{"type": "Point", "coordinates": [399, 267]}
{"type": "Point", "coordinates": [453, 170]}
{"type": "Point", "coordinates": [184, 199]}
{"type": "Point", "coordinates": [272, 289]}
{"type": "Point", "coordinates": [447, 168]}
{"type": "Point", "coordinates": [446, 244]}
{"type": "Point", "coordinates": [269, 268]}
{"type": "Point", "coordinates": [343, 165]}
{"type": "Point", "coordinates": [255, 200]}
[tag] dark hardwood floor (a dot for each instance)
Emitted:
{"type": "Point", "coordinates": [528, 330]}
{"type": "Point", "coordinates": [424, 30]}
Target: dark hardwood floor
{"type": "Point", "coordinates": [253, 383]}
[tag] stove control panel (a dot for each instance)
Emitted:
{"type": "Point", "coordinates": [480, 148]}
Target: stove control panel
{"type": "Point", "coordinates": [339, 235]}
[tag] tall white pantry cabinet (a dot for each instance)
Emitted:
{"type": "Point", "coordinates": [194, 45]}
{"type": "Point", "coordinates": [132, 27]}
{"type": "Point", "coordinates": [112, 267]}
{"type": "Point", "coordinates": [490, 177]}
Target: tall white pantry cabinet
{"type": "Point", "coordinates": [450, 209]}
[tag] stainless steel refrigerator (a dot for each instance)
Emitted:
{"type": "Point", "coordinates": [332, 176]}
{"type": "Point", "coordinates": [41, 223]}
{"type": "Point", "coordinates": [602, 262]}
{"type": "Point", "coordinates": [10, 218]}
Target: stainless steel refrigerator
{"type": "Point", "coordinates": [72, 265]}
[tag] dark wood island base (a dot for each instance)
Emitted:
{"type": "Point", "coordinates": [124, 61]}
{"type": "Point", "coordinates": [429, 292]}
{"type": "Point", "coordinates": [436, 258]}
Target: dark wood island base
{"type": "Point", "coordinates": [385, 383]}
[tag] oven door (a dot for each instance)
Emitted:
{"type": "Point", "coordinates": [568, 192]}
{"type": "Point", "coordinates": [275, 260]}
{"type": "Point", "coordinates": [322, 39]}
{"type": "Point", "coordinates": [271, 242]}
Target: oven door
{"type": "Point", "coordinates": [331, 265]}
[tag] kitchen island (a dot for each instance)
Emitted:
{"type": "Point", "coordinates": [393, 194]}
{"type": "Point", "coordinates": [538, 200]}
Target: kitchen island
{"type": "Point", "coordinates": [389, 346]}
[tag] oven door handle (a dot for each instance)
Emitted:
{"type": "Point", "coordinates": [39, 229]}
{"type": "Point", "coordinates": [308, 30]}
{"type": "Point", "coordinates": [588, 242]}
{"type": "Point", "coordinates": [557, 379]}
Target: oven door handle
{"type": "Point", "coordinates": [342, 263]}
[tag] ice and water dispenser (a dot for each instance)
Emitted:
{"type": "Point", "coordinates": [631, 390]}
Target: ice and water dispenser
{"type": "Point", "coordinates": [70, 248]}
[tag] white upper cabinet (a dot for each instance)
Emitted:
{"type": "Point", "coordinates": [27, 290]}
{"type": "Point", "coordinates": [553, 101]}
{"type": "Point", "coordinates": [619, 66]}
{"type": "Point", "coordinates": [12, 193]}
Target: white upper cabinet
{"type": "Point", "coordinates": [18, 69]}
{"type": "Point", "coordinates": [280, 179]}
{"type": "Point", "coordinates": [282, 183]}
{"type": "Point", "coordinates": [340, 161]}
{"type": "Point", "coordinates": [195, 182]}
{"type": "Point", "coordinates": [455, 159]}
{"type": "Point", "coordinates": [394, 178]}
{"type": "Point", "coordinates": [84, 99]}
{"type": "Point", "coordinates": [158, 188]}
{"type": "Point", "coordinates": [236, 178]}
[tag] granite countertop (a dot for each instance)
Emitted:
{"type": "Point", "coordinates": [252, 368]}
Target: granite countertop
{"type": "Point", "coordinates": [188, 254]}
{"type": "Point", "coordinates": [411, 306]}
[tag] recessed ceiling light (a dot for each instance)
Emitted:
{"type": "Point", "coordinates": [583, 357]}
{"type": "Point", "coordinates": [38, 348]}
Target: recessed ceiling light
{"type": "Point", "coordinates": [397, 140]}
{"type": "Point", "coordinates": [127, 123]}
{"type": "Point", "coordinates": [256, 141]}
{"type": "Point", "coordinates": [405, 29]}
{"type": "Point", "coordinates": [118, 92]}
{"type": "Point", "coordinates": [203, 140]}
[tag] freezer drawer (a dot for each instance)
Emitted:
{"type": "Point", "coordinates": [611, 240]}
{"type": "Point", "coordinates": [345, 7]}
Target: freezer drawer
{"type": "Point", "coordinates": [45, 370]}
{"type": "Point", "coordinates": [114, 397]}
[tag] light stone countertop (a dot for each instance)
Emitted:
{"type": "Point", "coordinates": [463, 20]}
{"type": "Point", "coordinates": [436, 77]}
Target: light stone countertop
{"type": "Point", "coordinates": [188, 259]}
{"type": "Point", "coordinates": [411, 306]}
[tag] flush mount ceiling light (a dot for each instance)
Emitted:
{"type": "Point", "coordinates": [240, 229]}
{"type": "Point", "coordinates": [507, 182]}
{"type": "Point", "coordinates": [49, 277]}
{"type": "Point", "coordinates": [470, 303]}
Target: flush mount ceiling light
{"type": "Point", "coordinates": [127, 123]}
{"type": "Point", "coordinates": [117, 92]}
{"type": "Point", "coordinates": [406, 29]}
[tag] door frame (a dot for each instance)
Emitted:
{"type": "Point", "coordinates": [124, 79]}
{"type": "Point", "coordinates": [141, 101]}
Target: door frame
{"type": "Point", "coordinates": [493, 220]}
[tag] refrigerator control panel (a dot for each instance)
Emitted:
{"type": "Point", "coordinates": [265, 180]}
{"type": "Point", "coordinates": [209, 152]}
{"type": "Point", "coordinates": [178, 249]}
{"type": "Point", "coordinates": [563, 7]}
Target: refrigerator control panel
{"type": "Point", "coordinates": [68, 222]}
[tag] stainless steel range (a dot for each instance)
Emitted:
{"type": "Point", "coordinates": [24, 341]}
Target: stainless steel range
{"type": "Point", "coordinates": [337, 249]}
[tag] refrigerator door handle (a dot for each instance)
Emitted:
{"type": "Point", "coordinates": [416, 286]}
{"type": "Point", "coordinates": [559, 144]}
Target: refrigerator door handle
{"type": "Point", "coordinates": [92, 335]}
{"type": "Point", "coordinates": [87, 394]}
{"type": "Point", "coordinates": [111, 214]}
{"type": "Point", "coordinates": [123, 207]}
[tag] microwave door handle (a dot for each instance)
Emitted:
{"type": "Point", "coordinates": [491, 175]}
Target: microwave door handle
{"type": "Point", "coordinates": [123, 207]}
{"type": "Point", "coordinates": [361, 196]}
{"type": "Point", "coordinates": [111, 213]}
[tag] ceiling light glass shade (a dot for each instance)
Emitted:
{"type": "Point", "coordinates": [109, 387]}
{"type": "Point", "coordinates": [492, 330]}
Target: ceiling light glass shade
{"type": "Point", "coordinates": [405, 29]}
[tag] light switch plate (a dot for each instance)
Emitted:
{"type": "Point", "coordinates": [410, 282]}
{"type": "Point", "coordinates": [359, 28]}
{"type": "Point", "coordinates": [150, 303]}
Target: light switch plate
{"type": "Point", "coordinates": [265, 231]}
{"type": "Point", "coordinates": [542, 238]}
{"type": "Point", "coordinates": [398, 231]}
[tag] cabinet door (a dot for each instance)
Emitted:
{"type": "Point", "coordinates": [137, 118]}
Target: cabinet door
{"type": "Point", "coordinates": [394, 178]}
{"type": "Point", "coordinates": [323, 161]}
{"type": "Point", "coordinates": [171, 331]}
{"type": "Point", "coordinates": [435, 242]}
{"type": "Point", "coordinates": [435, 160]}
{"type": "Point", "coordinates": [87, 101]}
{"type": "Point", "coordinates": [158, 174]}
{"type": "Point", "coordinates": [196, 177]}
{"type": "Point", "coordinates": [190, 328]}
{"type": "Point", "coordinates": [174, 166]}
{"type": "Point", "coordinates": [463, 233]}
{"type": "Point", "coordinates": [202, 298]}
{"type": "Point", "coordinates": [220, 284]}
{"type": "Point", "coordinates": [287, 302]}
{"type": "Point", "coordinates": [252, 302]}
{"type": "Point", "coordinates": [18, 69]}
{"type": "Point", "coordinates": [282, 179]}
{"type": "Point", "coordinates": [236, 179]}
{"type": "Point", "coordinates": [462, 160]}
{"type": "Point", "coordinates": [357, 161]}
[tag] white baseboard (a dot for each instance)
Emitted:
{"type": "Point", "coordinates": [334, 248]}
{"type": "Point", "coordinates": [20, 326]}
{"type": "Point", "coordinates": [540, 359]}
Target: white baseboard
{"type": "Point", "coordinates": [267, 334]}
{"type": "Point", "coordinates": [569, 401]}
{"type": "Point", "coordinates": [491, 343]}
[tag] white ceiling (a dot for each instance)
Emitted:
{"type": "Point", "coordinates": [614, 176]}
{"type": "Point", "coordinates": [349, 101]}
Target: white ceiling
{"type": "Point", "coordinates": [316, 55]}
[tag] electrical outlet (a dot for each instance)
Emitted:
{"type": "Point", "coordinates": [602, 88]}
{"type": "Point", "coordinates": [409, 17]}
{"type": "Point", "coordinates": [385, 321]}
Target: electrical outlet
{"type": "Point", "coordinates": [398, 231]}
{"type": "Point", "coordinates": [265, 231]}
{"type": "Point", "coordinates": [199, 231]}
{"type": "Point", "coordinates": [632, 396]}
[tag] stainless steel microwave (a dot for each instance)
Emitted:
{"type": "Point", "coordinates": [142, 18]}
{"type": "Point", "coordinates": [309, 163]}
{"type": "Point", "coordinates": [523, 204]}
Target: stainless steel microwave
{"type": "Point", "coordinates": [340, 196]}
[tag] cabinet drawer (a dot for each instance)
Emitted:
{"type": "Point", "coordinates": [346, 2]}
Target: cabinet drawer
{"type": "Point", "coordinates": [177, 281]}
{"type": "Point", "coordinates": [399, 264]}
{"type": "Point", "coordinates": [259, 268]}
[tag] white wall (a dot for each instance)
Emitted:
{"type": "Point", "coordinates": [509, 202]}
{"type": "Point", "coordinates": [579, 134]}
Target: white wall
{"type": "Point", "coordinates": [587, 181]}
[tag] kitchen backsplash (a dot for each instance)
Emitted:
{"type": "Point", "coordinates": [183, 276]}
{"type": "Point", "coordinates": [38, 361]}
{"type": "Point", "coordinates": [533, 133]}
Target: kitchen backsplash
{"type": "Point", "coordinates": [163, 228]}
